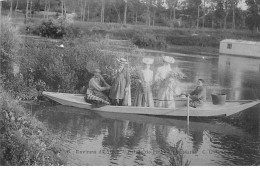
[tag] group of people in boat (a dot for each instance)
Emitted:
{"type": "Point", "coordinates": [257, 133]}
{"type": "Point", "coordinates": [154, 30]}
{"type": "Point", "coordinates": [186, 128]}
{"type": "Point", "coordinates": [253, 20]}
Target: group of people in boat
{"type": "Point", "coordinates": [166, 82]}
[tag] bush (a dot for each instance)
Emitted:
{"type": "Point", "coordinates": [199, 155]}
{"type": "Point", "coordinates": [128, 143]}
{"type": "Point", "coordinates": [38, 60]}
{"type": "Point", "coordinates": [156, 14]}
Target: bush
{"type": "Point", "coordinates": [45, 61]}
{"type": "Point", "coordinates": [65, 69]}
{"type": "Point", "coordinates": [148, 40]}
{"type": "Point", "coordinates": [73, 31]}
{"type": "Point", "coordinates": [52, 28]}
{"type": "Point", "coordinates": [193, 40]}
{"type": "Point", "coordinates": [19, 89]}
{"type": "Point", "coordinates": [70, 68]}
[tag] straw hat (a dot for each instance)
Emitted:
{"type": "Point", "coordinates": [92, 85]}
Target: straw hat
{"type": "Point", "coordinates": [168, 59]}
{"type": "Point", "coordinates": [148, 61]}
{"type": "Point", "coordinates": [122, 61]}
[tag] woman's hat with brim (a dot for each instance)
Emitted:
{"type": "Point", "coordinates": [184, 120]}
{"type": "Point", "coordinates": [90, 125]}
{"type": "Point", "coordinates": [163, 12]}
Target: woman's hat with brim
{"type": "Point", "coordinates": [168, 59]}
{"type": "Point", "coordinates": [148, 61]}
{"type": "Point", "coordinates": [122, 61]}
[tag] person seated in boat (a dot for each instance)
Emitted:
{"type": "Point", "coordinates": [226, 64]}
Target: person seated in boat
{"type": "Point", "coordinates": [97, 85]}
{"type": "Point", "coordinates": [198, 95]}
{"type": "Point", "coordinates": [121, 85]}
{"type": "Point", "coordinates": [144, 96]}
{"type": "Point", "coordinates": [167, 83]}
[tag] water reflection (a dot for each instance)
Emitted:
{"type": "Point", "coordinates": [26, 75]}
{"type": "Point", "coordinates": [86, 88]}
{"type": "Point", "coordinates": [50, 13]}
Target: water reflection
{"type": "Point", "coordinates": [118, 139]}
{"type": "Point", "coordinates": [98, 138]}
{"type": "Point", "coordinates": [241, 75]}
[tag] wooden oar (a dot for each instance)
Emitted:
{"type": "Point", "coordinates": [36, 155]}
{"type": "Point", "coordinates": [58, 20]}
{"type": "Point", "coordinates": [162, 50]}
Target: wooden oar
{"type": "Point", "coordinates": [188, 110]}
{"type": "Point", "coordinates": [129, 87]}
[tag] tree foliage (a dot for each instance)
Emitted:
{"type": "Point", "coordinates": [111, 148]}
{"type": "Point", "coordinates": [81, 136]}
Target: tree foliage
{"type": "Point", "coordinates": [253, 14]}
{"type": "Point", "coordinates": [212, 13]}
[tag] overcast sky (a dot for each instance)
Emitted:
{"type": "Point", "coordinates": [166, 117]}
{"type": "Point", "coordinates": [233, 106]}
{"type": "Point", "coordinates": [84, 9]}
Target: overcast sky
{"type": "Point", "coordinates": [242, 5]}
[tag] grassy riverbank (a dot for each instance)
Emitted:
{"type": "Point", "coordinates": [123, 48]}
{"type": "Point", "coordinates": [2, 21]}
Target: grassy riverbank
{"type": "Point", "coordinates": [197, 50]}
{"type": "Point", "coordinates": [178, 40]}
{"type": "Point", "coordinates": [23, 139]}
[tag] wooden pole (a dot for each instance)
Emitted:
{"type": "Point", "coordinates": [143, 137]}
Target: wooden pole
{"type": "Point", "coordinates": [188, 110]}
{"type": "Point", "coordinates": [129, 87]}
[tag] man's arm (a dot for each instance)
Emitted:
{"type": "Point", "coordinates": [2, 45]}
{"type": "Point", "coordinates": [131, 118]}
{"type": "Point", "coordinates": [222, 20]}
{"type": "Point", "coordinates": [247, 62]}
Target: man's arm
{"type": "Point", "coordinates": [95, 85]}
{"type": "Point", "coordinates": [193, 92]}
{"type": "Point", "coordinates": [201, 93]}
{"type": "Point", "coordinates": [104, 82]}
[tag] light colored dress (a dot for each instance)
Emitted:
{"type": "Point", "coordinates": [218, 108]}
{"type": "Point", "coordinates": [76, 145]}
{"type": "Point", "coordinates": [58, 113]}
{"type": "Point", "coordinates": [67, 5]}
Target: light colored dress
{"type": "Point", "coordinates": [167, 87]}
{"type": "Point", "coordinates": [144, 96]}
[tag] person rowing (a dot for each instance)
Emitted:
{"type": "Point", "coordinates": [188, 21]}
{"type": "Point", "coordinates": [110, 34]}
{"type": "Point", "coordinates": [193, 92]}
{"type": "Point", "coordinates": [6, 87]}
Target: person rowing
{"type": "Point", "coordinates": [198, 95]}
{"type": "Point", "coordinates": [97, 85]}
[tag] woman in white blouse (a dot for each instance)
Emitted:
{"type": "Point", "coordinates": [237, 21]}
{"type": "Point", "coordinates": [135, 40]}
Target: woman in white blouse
{"type": "Point", "coordinates": [144, 96]}
{"type": "Point", "coordinates": [167, 84]}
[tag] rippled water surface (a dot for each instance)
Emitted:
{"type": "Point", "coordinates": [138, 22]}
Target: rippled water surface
{"type": "Point", "coordinates": [94, 138]}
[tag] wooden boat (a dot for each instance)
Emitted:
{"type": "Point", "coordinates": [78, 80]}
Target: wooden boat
{"type": "Point", "coordinates": [207, 110]}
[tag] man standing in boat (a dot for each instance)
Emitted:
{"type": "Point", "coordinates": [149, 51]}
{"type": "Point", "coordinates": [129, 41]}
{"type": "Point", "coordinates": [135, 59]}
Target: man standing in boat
{"type": "Point", "coordinates": [120, 85]}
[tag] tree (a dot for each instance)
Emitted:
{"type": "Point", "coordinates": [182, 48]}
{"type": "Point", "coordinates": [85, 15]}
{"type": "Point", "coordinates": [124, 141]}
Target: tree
{"type": "Point", "coordinates": [11, 8]}
{"type": "Point", "coordinates": [137, 8]}
{"type": "Point", "coordinates": [102, 15]}
{"type": "Point", "coordinates": [125, 11]}
{"type": "Point", "coordinates": [253, 14]}
{"type": "Point", "coordinates": [172, 4]}
{"type": "Point", "coordinates": [16, 7]}
{"type": "Point", "coordinates": [193, 9]}
{"type": "Point", "coordinates": [27, 11]}
{"type": "Point", "coordinates": [212, 11]}
{"type": "Point", "coordinates": [148, 12]}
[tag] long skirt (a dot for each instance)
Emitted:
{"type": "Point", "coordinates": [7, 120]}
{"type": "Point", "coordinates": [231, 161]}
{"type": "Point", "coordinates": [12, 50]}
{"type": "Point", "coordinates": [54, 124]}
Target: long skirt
{"type": "Point", "coordinates": [166, 98]}
{"type": "Point", "coordinates": [144, 97]}
{"type": "Point", "coordinates": [96, 97]}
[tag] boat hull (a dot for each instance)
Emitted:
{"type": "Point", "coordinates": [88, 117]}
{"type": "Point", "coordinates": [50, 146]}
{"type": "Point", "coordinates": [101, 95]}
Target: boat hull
{"type": "Point", "coordinates": [207, 110]}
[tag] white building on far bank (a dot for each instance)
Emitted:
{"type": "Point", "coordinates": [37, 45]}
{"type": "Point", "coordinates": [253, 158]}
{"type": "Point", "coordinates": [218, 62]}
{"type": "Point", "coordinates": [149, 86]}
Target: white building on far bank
{"type": "Point", "coordinates": [240, 47]}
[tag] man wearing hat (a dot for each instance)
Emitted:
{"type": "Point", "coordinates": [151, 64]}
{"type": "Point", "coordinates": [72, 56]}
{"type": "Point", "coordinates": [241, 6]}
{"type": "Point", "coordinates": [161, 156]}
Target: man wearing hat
{"type": "Point", "coordinates": [121, 83]}
{"type": "Point", "coordinates": [167, 84]}
{"type": "Point", "coordinates": [144, 96]}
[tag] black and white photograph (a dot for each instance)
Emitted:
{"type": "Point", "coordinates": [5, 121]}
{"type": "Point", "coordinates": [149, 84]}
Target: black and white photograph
{"type": "Point", "coordinates": [129, 83]}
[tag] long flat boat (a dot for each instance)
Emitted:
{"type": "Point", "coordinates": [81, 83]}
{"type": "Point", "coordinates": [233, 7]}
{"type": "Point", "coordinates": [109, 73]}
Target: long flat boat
{"type": "Point", "coordinates": [207, 110]}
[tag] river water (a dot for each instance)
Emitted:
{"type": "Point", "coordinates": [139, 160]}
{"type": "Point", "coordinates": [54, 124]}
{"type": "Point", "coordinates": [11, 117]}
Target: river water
{"type": "Point", "coordinates": [93, 138]}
